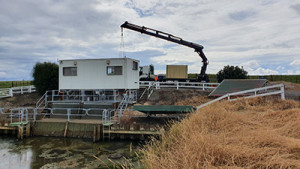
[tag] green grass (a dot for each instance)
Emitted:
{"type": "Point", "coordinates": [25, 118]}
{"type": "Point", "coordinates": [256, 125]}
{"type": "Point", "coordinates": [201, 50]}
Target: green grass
{"type": "Point", "coordinates": [9, 84]}
{"type": "Point", "coordinates": [286, 78]}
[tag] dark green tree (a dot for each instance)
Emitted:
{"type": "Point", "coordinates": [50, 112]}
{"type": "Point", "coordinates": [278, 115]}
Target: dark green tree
{"type": "Point", "coordinates": [45, 77]}
{"type": "Point", "coordinates": [231, 72]}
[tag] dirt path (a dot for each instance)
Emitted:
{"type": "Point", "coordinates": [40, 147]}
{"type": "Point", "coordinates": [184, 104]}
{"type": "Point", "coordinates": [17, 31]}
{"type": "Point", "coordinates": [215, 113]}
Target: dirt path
{"type": "Point", "coordinates": [25, 100]}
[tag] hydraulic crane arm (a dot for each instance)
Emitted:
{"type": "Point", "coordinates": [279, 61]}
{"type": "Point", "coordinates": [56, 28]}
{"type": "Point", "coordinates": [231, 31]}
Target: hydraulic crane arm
{"type": "Point", "coordinates": [162, 35]}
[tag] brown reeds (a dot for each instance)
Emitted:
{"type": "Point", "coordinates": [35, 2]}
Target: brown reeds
{"type": "Point", "coordinates": [254, 133]}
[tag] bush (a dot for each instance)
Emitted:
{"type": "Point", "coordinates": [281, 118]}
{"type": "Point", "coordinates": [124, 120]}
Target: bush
{"type": "Point", "coordinates": [45, 77]}
{"type": "Point", "coordinates": [231, 72]}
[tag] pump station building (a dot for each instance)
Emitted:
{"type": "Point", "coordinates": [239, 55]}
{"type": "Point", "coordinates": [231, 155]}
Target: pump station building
{"type": "Point", "coordinates": [105, 73]}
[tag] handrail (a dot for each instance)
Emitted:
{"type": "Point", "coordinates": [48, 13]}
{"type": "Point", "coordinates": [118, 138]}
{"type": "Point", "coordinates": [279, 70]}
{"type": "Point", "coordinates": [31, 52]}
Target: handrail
{"type": "Point", "coordinates": [281, 91]}
{"type": "Point", "coordinates": [41, 101]}
{"type": "Point", "coordinates": [24, 113]}
{"type": "Point", "coordinates": [172, 84]}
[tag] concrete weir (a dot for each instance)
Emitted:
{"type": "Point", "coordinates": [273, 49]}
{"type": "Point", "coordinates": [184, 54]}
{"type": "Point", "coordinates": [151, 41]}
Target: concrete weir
{"type": "Point", "coordinates": [80, 128]}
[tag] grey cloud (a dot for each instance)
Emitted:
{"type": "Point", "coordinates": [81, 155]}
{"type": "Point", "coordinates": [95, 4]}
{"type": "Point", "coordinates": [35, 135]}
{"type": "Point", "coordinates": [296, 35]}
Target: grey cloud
{"type": "Point", "coordinates": [296, 7]}
{"type": "Point", "coordinates": [241, 15]}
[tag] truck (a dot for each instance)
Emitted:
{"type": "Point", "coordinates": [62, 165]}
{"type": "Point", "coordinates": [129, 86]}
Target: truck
{"type": "Point", "coordinates": [203, 77]}
{"type": "Point", "coordinates": [146, 73]}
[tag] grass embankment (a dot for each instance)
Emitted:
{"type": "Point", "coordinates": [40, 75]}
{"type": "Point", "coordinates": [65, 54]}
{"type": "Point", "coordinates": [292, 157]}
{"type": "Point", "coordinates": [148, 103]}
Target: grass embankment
{"type": "Point", "coordinates": [275, 78]}
{"type": "Point", "coordinates": [254, 133]}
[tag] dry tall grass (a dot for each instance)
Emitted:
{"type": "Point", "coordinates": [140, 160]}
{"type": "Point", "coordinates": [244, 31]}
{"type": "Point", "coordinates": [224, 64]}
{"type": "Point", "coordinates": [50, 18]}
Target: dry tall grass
{"type": "Point", "coordinates": [254, 133]}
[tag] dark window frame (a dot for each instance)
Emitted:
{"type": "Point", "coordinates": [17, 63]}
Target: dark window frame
{"type": "Point", "coordinates": [114, 70]}
{"type": "Point", "coordinates": [135, 65]}
{"type": "Point", "coordinates": [70, 72]}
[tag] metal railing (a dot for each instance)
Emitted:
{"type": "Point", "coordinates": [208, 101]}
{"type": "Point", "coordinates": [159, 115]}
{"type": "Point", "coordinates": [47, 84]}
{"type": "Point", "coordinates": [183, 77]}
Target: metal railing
{"type": "Point", "coordinates": [29, 113]}
{"type": "Point", "coordinates": [10, 92]}
{"type": "Point", "coordinates": [108, 96]}
{"type": "Point", "coordinates": [257, 92]}
{"type": "Point", "coordinates": [178, 85]}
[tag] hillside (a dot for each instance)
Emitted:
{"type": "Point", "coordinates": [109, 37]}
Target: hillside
{"type": "Point", "coordinates": [254, 133]}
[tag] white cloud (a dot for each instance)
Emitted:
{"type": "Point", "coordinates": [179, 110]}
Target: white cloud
{"type": "Point", "coordinates": [295, 62]}
{"type": "Point", "coordinates": [256, 33]}
{"type": "Point", "coordinates": [262, 71]}
{"type": "Point", "coordinates": [2, 74]}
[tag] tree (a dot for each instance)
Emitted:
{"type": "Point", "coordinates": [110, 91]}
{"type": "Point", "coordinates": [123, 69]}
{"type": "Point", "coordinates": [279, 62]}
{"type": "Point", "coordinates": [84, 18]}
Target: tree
{"type": "Point", "coordinates": [45, 77]}
{"type": "Point", "coordinates": [231, 72]}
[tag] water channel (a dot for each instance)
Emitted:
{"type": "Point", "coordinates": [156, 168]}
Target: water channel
{"type": "Point", "coordinates": [52, 152]}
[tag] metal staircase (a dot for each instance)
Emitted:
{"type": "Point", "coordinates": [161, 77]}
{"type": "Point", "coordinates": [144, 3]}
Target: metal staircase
{"type": "Point", "coordinates": [147, 92]}
{"type": "Point", "coordinates": [121, 107]}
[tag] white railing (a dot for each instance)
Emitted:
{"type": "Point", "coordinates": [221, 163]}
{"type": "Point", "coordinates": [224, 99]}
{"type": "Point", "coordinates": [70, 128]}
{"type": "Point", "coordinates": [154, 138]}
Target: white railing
{"type": "Point", "coordinates": [178, 85]}
{"type": "Point", "coordinates": [257, 92]}
{"type": "Point", "coordinates": [42, 101]}
{"type": "Point", "coordinates": [10, 92]}
{"type": "Point", "coordinates": [29, 113]}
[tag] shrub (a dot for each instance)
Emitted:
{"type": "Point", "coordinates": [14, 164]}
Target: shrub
{"type": "Point", "coordinates": [45, 77]}
{"type": "Point", "coordinates": [231, 72]}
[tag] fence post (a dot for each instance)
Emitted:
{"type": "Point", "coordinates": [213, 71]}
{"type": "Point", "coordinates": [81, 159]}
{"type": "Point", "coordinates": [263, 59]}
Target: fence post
{"type": "Point", "coordinates": [177, 85]}
{"type": "Point", "coordinates": [29, 89]}
{"type": "Point", "coordinates": [282, 92]}
{"type": "Point", "coordinates": [21, 89]}
{"type": "Point", "coordinates": [11, 92]}
{"type": "Point", "coordinates": [202, 86]}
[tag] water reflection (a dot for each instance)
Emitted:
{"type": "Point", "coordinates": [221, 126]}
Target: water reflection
{"type": "Point", "coordinates": [45, 152]}
{"type": "Point", "coordinates": [10, 158]}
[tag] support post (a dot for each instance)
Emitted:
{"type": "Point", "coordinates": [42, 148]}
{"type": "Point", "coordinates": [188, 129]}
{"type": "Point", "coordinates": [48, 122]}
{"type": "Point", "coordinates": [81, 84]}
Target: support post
{"type": "Point", "coordinates": [98, 132]}
{"type": "Point", "coordinates": [66, 129]}
{"type": "Point", "coordinates": [177, 85]}
{"type": "Point", "coordinates": [11, 116]}
{"type": "Point", "coordinates": [69, 113]}
{"type": "Point", "coordinates": [53, 93]}
{"type": "Point", "coordinates": [21, 89]}
{"type": "Point", "coordinates": [34, 114]}
{"type": "Point", "coordinates": [94, 137]}
{"type": "Point", "coordinates": [203, 86]}
{"type": "Point", "coordinates": [46, 97]}
{"type": "Point", "coordinates": [28, 130]}
{"type": "Point", "coordinates": [26, 115]}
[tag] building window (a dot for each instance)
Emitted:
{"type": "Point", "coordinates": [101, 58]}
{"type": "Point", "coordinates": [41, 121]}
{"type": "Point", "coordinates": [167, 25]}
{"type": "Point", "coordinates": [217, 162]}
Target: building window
{"type": "Point", "coordinates": [114, 70]}
{"type": "Point", "coordinates": [135, 65]}
{"type": "Point", "coordinates": [70, 71]}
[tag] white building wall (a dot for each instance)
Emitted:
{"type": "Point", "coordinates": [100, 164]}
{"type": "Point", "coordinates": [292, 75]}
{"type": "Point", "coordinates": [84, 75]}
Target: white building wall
{"type": "Point", "coordinates": [92, 74]}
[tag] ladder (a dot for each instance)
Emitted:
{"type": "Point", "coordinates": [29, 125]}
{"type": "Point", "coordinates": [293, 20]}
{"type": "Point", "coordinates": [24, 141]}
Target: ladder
{"type": "Point", "coordinates": [106, 131]}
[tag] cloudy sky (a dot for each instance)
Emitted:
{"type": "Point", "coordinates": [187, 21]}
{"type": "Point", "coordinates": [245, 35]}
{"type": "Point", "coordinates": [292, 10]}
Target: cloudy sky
{"type": "Point", "coordinates": [263, 36]}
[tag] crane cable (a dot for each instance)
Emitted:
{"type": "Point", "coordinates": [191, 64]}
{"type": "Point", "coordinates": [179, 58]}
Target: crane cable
{"type": "Point", "coordinates": [122, 48]}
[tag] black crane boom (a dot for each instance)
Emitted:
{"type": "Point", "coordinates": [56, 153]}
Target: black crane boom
{"type": "Point", "coordinates": [162, 35]}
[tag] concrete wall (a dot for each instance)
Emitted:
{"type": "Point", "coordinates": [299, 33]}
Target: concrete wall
{"type": "Point", "coordinates": [92, 74]}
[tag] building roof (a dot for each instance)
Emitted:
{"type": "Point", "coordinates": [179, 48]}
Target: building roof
{"type": "Point", "coordinates": [236, 85]}
{"type": "Point", "coordinates": [98, 59]}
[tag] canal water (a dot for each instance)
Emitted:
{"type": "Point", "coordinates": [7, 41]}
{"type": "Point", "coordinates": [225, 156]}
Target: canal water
{"type": "Point", "coordinates": [49, 152]}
